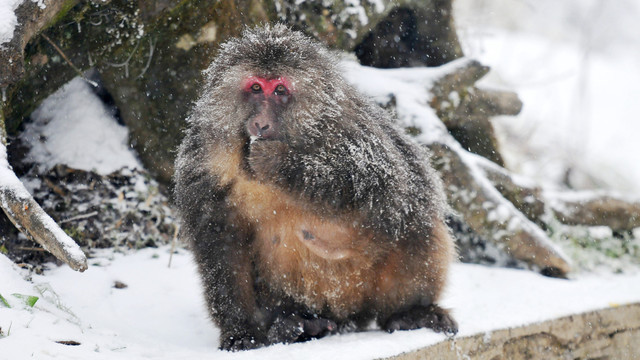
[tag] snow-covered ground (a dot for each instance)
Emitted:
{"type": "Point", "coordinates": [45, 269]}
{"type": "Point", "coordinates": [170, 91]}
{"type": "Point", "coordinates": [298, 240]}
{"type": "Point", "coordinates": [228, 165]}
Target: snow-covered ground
{"type": "Point", "coordinates": [161, 315]}
{"type": "Point", "coordinates": [577, 112]}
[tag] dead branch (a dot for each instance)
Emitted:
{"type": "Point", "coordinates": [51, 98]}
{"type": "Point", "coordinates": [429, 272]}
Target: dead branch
{"type": "Point", "coordinates": [587, 208]}
{"type": "Point", "coordinates": [466, 110]}
{"type": "Point", "coordinates": [20, 207]}
{"type": "Point", "coordinates": [25, 213]}
{"type": "Point", "coordinates": [594, 209]}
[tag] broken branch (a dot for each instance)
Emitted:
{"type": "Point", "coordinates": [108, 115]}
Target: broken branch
{"type": "Point", "coordinates": [25, 213]}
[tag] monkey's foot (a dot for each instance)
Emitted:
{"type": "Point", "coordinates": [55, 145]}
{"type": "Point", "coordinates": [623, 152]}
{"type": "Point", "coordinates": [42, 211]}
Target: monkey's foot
{"type": "Point", "coordinates": [295, 328]}
{"type": "Point", "coordinates": [237, 342]}
{"type": "Point", "coordinates": [419, 316]}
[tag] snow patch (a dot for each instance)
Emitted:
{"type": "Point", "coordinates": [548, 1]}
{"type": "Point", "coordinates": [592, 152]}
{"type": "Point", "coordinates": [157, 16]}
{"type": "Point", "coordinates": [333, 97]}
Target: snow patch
{"type": "Point", "coordinates": [73, 127]}
{"type": "Point", "coordinates": [8, 19]}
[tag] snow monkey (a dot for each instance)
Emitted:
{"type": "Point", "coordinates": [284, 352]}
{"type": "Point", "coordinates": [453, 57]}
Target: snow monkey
{"type": "Point", "coordinates": [307, 209]}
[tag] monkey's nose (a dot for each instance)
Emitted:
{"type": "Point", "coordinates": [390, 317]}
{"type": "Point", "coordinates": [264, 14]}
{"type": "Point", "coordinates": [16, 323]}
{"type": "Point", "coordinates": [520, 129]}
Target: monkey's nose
{"type": "Point", "coordinates": [261, 129]}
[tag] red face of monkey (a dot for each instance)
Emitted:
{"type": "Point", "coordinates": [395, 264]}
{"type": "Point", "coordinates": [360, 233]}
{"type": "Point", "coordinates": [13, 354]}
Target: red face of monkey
{"type": "Point", "coordinates": [268, 98]}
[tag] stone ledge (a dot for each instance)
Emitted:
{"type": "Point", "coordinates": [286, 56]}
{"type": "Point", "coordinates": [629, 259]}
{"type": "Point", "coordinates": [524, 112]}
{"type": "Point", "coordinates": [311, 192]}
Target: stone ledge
{"type": "Point", "coordinates": [612, 333]}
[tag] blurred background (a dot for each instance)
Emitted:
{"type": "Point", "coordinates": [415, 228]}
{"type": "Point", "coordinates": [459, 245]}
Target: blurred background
{"type": "Point", "coordinates": [576, 66]}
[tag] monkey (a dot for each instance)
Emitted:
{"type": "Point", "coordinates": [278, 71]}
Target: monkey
{"type": "Point", "coordinates": [307, 209]}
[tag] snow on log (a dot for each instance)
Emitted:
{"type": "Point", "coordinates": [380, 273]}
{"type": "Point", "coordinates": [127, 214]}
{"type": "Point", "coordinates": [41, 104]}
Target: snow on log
{"type": "Point", "coordinates": [25, 213]}
{"type": "Point", "coordinates": [31, 16]}
{"type": "Point", "coordinates": [492, 216]}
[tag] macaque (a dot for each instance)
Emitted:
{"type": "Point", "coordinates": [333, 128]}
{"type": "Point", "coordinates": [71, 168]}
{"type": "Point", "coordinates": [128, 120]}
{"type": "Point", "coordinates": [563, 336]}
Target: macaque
{"type": "Point", "coordinates": [307, 209]}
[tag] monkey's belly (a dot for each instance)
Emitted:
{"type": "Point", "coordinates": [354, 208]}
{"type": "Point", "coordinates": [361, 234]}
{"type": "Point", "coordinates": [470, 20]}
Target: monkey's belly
{"type": "Point", "coordinates": [323, 265]}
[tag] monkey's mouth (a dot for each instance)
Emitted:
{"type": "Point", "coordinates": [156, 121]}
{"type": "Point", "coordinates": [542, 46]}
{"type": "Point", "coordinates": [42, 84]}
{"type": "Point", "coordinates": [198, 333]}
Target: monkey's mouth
{"type": "Point", "coordinates": [254, 138]}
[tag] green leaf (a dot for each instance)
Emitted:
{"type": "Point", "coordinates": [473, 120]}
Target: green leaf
{"type": "Point", "coordinates": [4, 302]}
{"type": "Point", "coordinates": [27, 299]}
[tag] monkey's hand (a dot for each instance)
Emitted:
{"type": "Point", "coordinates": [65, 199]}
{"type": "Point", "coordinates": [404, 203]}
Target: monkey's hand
{"type": "Point", "coordinates": [266, 158]}
{"type": "Point", "coordinates": [296, 328]}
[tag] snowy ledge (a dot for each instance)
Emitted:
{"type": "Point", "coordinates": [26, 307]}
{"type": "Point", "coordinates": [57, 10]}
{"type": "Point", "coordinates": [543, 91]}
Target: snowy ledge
{"type": "Point", "coordinates": [611, 333]}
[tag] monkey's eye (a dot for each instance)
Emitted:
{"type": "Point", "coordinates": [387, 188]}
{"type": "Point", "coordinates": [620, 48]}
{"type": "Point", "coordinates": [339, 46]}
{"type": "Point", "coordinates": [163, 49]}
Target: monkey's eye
{"type": "Point", "coordinates": [256, 88]}
{"type": "Point", "coordinates": [280, 90]}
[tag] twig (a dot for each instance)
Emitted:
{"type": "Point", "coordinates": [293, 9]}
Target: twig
{"type": "Point", "coordinates": [152, 45]}
{"type": "Point", "coordinates": [30, 248]}
{"type": "Point", "coordinates": [79, 217]}
{"type": "Point", "coordinates": [173, 243]}
{"type": "Point", "coordinates": [93, 83]}
{"type": "Point", "coordinates": [126, 62]}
